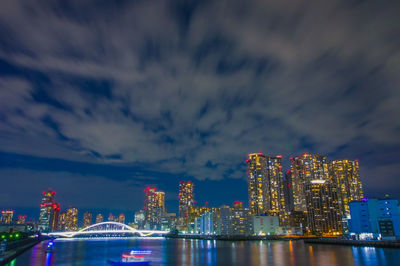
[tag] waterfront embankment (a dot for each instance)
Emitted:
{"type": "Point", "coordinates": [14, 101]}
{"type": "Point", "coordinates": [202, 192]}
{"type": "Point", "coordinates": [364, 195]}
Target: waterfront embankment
{"type": "Point", "coordinates": [348, 242]}
{"type": "Point", "coordinates": [18, 247]}
{"type": "Point", "coordinates": [233, 238]}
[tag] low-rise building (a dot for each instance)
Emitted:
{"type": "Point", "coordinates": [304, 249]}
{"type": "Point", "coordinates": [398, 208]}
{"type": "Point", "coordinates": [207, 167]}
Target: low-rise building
{"type": "Point", "coordinates": [375, 219]}
{"type": "Point", "coordinates": [265, 225]}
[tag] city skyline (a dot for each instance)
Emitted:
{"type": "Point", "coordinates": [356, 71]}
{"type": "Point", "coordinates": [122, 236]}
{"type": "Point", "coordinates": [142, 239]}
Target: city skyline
{"type": "Point", "coordinates": [273, 178]}
{"type": "Point", "coordinates": [100, 102]}
{"type": "Point", "coordinates": [316, 197]}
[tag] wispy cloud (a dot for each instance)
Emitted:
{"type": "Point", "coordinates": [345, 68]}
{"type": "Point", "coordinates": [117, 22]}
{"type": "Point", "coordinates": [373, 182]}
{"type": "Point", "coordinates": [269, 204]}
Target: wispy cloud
{"type": "Point", "coordinates": [191, 88]}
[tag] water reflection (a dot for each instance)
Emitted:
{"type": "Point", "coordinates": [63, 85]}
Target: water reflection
{"type": "Point", "coordinates": [48, 259]}
{"type": "Point", "coordinates": [291, 254]}
{"type": "Point", "coordinates": [207, 252]}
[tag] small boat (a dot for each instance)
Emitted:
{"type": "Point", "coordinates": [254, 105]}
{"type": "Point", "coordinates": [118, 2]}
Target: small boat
{"type": "Point", "coordinates": [135, 257]}
{"type": "Point", "coordinates": [50, 247]}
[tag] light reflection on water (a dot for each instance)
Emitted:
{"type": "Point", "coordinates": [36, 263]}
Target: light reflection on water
{"type": "Point", "coordinates": [206, 252]}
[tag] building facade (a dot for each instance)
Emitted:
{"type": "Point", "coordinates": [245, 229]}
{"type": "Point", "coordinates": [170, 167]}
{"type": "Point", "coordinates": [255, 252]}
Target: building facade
{"type": "Point", "coordinates": [240, 222]}
{"type": "Point", "coordinates": [49, 212]}
{"type": "Point", "coordinates": [266, 186]}
{"type": "Point", "coordinates": [323, 213]}
{"type": "Point", "coordinates": [257, 183]}
{"type": "Point", "coordinates": [112, 218]}
{"type": "Point", "coordinates": [345, 174]}
{"type": "Point", "coordinates": [154, 207]}
{"type": "Point", "coordinates": [99, 218]}
{"type": "Point", "coordinates": [208, 223]}
{"type": "Point", "coordinates": [87, 219]}
{"type": "Point", "coordinates": [71, 219]}
{"type": "Point", "coordinates": [121, 218]}
{"type": "Point", "coordinates": [186, 197]}
{"type": "Point", "coordinates": [7, 216]}
{"type": "Point", "coordinates": [265, 225]}
{"type": "Point", "coordinates": [375, 218]}
{"type": "Point", "coordinates": [194, 212]}
{"type": "Point", "coordinates": [304, 168]}
{"type": "Point", "coordinates": [140, 217]}
{"type": "Point", "coordinates": [62, 218]}
{"type": "Point", "coordinates": [21, 219]}
{"type": "Point", "coordinates": [225, 220]}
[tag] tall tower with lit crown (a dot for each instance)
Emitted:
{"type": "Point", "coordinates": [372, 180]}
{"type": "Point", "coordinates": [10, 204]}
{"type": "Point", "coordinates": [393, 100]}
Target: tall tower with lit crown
{"type": "Point", "coordinates": [345, 174]}
{"type": "Point", "coordinates": [121, 218]}
{"type": "Point", "coordinates": [154, 206]}
{"type": "Point", "coordinates": [49, 211]}
{"type": "Point", "coordinates": [87, 219]}
{"type": "Point", "coordinates": [71, 219]}
{"type": "Point", "coordinates": [265, 180]}
{"type": "Point", "coordinates": [305, 168]}
{"type": "Point", "coordinates": [99, 218]}
{"type": "Point", "coordinates": [257, 182]}
{"type": "Point", "coordinates": [323, 213]}
{"type": "Point", "coordinates": [7, 216]}
{"type": "Point", "coordinates": [186, 198]}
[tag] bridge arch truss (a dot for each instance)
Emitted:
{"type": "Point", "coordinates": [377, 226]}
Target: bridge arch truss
{"type": "Point", "coordinates": [106, 228]}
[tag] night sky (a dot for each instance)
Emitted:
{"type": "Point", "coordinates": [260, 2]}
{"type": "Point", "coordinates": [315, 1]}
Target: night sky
{"type": "Point", "coordinates": [99, 99]}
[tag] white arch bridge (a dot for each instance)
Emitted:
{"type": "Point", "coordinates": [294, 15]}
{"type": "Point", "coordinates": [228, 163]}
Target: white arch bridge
{"type": "Point", "coordinates": [108, 229]}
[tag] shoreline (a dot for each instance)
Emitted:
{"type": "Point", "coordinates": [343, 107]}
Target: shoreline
{"type": "Point", "coordinates": [235, 238]}
{"type": "Point", "coordinates": [348, 242]}
{"type": "Point", "coordinates": [12, 254]}
{"type": "Point", "coordinates": [306, 240]}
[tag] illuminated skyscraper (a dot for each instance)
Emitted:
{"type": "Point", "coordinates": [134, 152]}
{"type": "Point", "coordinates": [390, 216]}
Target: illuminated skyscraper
{"type": "Point", "coordinates": [240, 221]}
{"type": "Point", "coordinates": [112, 218]}
{"type": "Point", "coordinates": [71, 219]}
{"type": "Point", "coordinates": [345, 174]}
{"type": "Point", "coordinates": [305, 168]}
{"type": "Point", "coordinates": [289, 217]}
{"type": "Point", "coordinates": [288, 191]}
{"type": "Point", "coordinates": [265, 178]}
{"type": "Point", "coordinates": [154, 206]}
{"type": "Point", "coordinates": [193, 213]}
{"type": "Point", "coordinates": [225, 220]}
{"type": "Point", "coordinates": [7, 216]}
{"type": "Point", "coordinates": [99, 218]}
{"type": "Point", "coordinates": [55, 216]}
{"type": "Point", "coordinates": [208, 223]}
{"type": "Point", "coordinates": [49, 211]}
{"type": "Point", "coordinates": [21, 219]}
{"type": "Point", "coordinates": [62, 218]}
{"type": "Point", "coordinates": [323, 214]}
{"type": "Point", "coordinates": [237, 204]}
{"type": "Point", "coordinates": [257, 182]}
{"type": "Point", "coordinates": [186, 197]}
{"type": "Point", "coordinates": [121, 218]}
{"type": "Point", "coordinates": [87, 219]}
{"type": "Point", "coordinates": [140, 218]}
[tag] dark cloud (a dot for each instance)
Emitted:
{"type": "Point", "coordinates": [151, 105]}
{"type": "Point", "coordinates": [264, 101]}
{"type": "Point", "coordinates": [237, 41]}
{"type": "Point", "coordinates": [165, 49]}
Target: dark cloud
{"type": "Point", "coordinates": [189, 88]}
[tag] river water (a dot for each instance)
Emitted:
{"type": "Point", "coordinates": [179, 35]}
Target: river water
{"type": "Point", "coordinates": [206, 252]}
